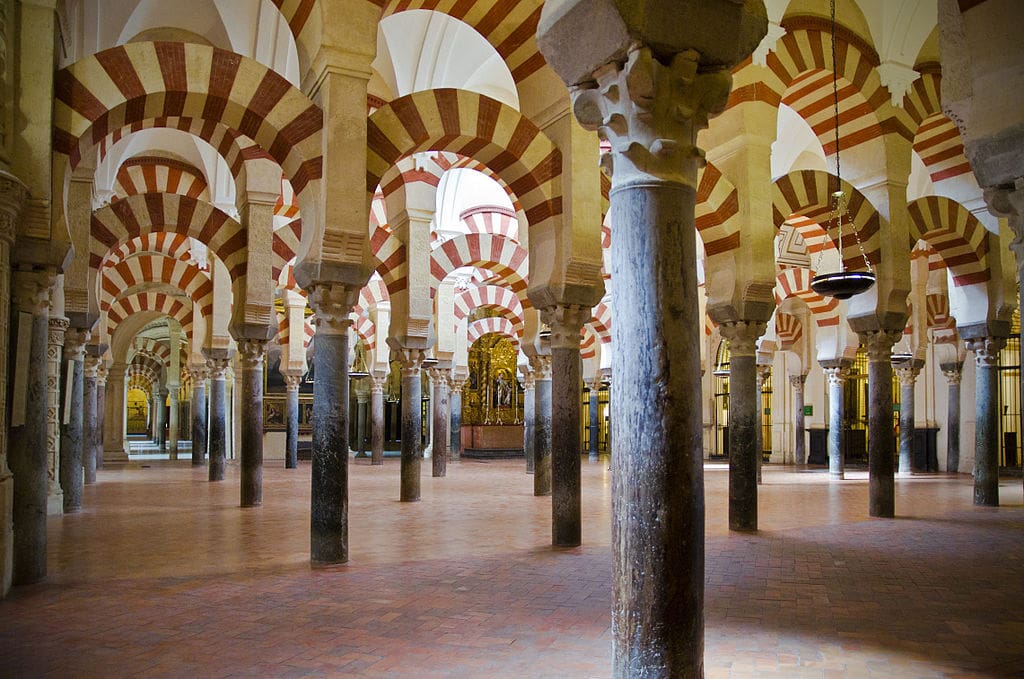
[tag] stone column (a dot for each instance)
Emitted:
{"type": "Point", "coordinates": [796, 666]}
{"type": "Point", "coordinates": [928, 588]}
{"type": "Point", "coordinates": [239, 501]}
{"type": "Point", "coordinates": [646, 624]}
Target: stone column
{"type": "Point", "coordinates": [58, 327]}
{"type": "Point", "coordinates": [218, 417]}
{"type": "Point", "coordinates": [362, 405]}
{"type": "Point", "coordinates": [199, 416]}
{"type": "Point", "coordinates": [835, 372]}
{"type": "Point", "coordinates": [172, 420]}
{"type": "Point", "coordinates": [377, 419]}
{"type": "Point", "coordinates": [292, 381]}
{"type": "Point", "coordinates": [328, 525]}
{"type": "Point", "coordinates": [799, 437]}
{"type": "Point", "coordinates": [908, 378]}
{"type": "Point", "coordinates": [442, 416]}
{"type": "Point", "coordinates": [27, 434]}
{"type": "Point", "coordinates": [529, 418]}
{"type": "Point", "coordinates": [566, 323]}
{"type": "Point", "coordinates": [73, 441]}
{"type": "Point", "coordinates": [743, 420]}
{"type": "Point", "coordinates": [763, 372]}
{"type": "Point", "coordinates": [251, 353]}
{"type": "Point", "coordinates": [412, 425]}
{"type": "Point", "coordinates": [101, 413]}
{"type": "Point", "coordinates": [986, 433]}
{"type": "Point", "coordinates": [953, 372]}
{"type": "Point", "coordinates": [881, 465]}
{"type": "Point", "coordinates": [115, 446]}
{"type": "Point", "coordinates": [455, 405]}
{"type": "Point", "coordinates": [542, 426]}
{"type": "Point", "coordinates": [595, 422]}
{"type": "Point", "coordinates": [90, 374]}
{"type": "Point", "coordinates": [159, 414]}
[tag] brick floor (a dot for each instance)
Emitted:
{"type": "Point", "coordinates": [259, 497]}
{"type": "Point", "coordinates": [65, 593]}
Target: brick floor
{"type": "Point", "coordinates": [164, 576]}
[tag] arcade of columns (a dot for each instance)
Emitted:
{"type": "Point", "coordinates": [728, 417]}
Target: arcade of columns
{"type": "Point", "coordinates": [156, 285]}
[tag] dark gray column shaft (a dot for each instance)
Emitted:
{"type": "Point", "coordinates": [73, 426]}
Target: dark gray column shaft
{"type": "Point", "coordinates": [291, 435]}
{"type": "Point", "coordinates": [441, 414]}
{"type": "Point", "coordinates": [455, 404]}
{"type": "Point", "coordinates": [953, 373]}
{"type": "Point", "coordinates": [377, 421]}
{"type": "Point", "coordinates": [907, 425]}
{"type": "Point", "coordinates": [799, 435]}
{"type": "Point", "coordinates": [657, 453]}
{"type": "Point", "coordinates": [329, 500]}
{"type": "Point", "coordinates": [742, 440]}
{"type": "Point", "coordinates": [101, 416]}
{"type": "Point", "coordinates": [529, 420]}
{"type": "Point", "coordinates": [89, 421]}
{"type": "Point", "coordinates": [836, 416]}
{"type": "Point", "coordinates": [251, 353]}
{"type": "Point", "coordinates": [881, 463]}
{"type": "Point", "coordinates": [72, 444]}
{"type": "Point", "coordinates": [595, 423]}
{"type": "Point", "coordinates": [218, 422]}
{"type": "Point", "coordinates": [986, 416]}
{"type": "Point", "coordinates": [199, 420]}
{"type": "Point", "coordinates": [566, 526]}
{"type": "Point", "coordinates": [542, 428]}
{"type": "Point", "coordinates": [412, 426]}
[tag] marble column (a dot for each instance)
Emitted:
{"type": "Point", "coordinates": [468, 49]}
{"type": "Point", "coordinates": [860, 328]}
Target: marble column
{"type": "Point", "coordinates": [595, 421]}
{"type": "Point", "coordinates": [529, 418]}
{"type": "Point", "coordinates": [542, 426]}
{"type": "Point", "coordinates": [907, 375]}
{"type": "Point", "coordinates": [73, 441]}
{"type": "Point", "coordinates": [199, 416]}
{"type": "Point", "coordinates": [218, 417]}
{"type": "Point", "coordinates": [27, 433]}
{"type": "Point", "coordinates": [799, 435]}
{"type": "Point", "coordinates": [251, 353]}
{"type": "Point", "coordinates": [442, 416]}
{"type": "Point", "coordinates": [377, 419]}
{"type": "Point", "coordinates": [362, 406]}
{"type": "Point", "coordinates": [881, 463]}
{"type": "Point", "coordinates": [291, 443]}
{"type": "Point", "coordinates": [412, 425]}
{"type": "Point", "coordinates": [90, 372]}
{"type": "Point", "coordinates": [835, 373]}
{"type": "Point", "coordinates": [58, 327]}
{"type": "Point", "coordinates": [455, 405]}
{"type": "Point", "coordinates": [953, 372]}
{"type": "Point", "coordinates": [763, 373]}
{"type": "Point", "coordinates": [743, 420]}
{"type": "Point", "coordinates": [172, 421]}
{"type": "Point", "coordinates": [101, 413]}
{"type": "Point", "coordinates": [159, 416]}
{"type": "Point", "coordinates": [328, 525]}
{"type": "Point", "coordinates": [115, 444]}
{"type": "Point", "coordinates": [986, 428]}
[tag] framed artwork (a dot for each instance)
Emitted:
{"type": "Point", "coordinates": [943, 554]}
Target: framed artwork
{"type": "Point", "coordinates": [274, 410]}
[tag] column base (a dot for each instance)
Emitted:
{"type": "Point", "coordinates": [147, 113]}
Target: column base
{"type": "Point", "coordinates": [6, 534]}
{"type": "Point", "coordinates": [836, 476]}
{"type": "Point", "coordinates": [115, 456]}
{"type": "Point", "coordinates": [55, 503]}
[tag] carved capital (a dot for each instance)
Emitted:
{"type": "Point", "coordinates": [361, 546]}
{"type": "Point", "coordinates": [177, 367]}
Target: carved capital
{"type": "Point", "coordinates": [742, 336]}
{"type": "Point", "coordinates": [92, 366]}
{"type": "Point", "coordinates": [292, 380]}
{"type": "Point", "coordinates": [566, 321]}
{"type": "Point", "coordinates": [13, 195]}
{"type": "Point", "coordinates": [251, 353]}
{"type": "Point", "coordinates": [650, 113]}
{"type": "Point", "coordinates": [953, 372]}
{"type": "Point", "coordinates": [762, 374]}
{"type": "Point", "coordinates": [986, 350]}
{"type": "Point", "coordinates": [878, 344]}
{"type": "Point", "coordinates": [101, 375]}
{"type": "Point", "coordinates": [797, 382]}
{"type": "Point", "coordinates": [836, 376]}
{"type": "Point", "coordinates": [218, 368]}
{"type": "Point", "coordinates": [439, 375]}
{"type": "Point", "coordinates": [200, 373]}
{"type": "Point", "coordinates": [57, 328]}
{"type": "Point", "coordinates": [75, 340]}
{"type": "Point", "coordinates": [908, 375]}
{"type": "Point", "coordinates": [529, 380]}
{"type": "Point", "coordinates": [411, 360]}
{"type": "Point", "coordinates": [541, 367]}
{"type": "Point", "coordinates": [332, 303]}
{"type": "Point", "coordinates": [377, 383]}
{"type": "Point", "coordinates": [30, 291]}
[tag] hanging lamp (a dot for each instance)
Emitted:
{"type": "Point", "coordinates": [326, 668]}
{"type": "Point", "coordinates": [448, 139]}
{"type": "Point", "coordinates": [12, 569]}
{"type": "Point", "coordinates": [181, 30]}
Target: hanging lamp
{"type": "Point", "coordinates": [841, 284]}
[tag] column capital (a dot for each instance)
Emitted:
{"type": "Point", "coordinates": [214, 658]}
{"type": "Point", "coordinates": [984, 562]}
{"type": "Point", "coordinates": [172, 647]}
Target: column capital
{"type": "Point", "coordinates": [439, 374]}
{"type": "Point", "coordinates": [742, 336]}
{"type": "Point", "coordinates": [907, 374]}
{"type": "Point", "coordinates": [251, 353]}
{"type": "Point", "coordinates": [953, 372]}
{"type": "Point", "coordinates": [541, 367]}
{"type": "Point", "coordinates": [56, 330]}
{"type": "Point", "coordinates": [92, 366]}
{"type": "Point", "coordinates": [595, 383]}
{"type": "Point", "coordinates": [411, 360]}
{"type": "Point", "coordinates": [377, 383]}
{"type": "Point", "coordinates": [529, 380]}
{"type": "Point", "coordinates": [797, 382]}
{"type": "Point", "coordinates": [13, 194]}
{"type": "Point", "coordinates": [986, 350]}
{"type": "Point", "coordinates": [30, 291]}
{"type": "Point", "coordinates": [763, 372]}
{"type": "Point", "coordinates": [836, 375]}
{"type": "Point", "coordinates": [75, 340]}
{"type": "Point", "coordinates": [879, 343]}
{"type": "Point", "coordinates": [101, 374]}
{"type": "Point", "coordinates": [566, 321]}
{"type": "Point", "coordinates": [292, 380]}
{"type": "Point", "coordinates": [200, 373]}
{"type": "Point", "coordinates": [332, 303]}
{"type": "Point", "coordinates": [218, 368]}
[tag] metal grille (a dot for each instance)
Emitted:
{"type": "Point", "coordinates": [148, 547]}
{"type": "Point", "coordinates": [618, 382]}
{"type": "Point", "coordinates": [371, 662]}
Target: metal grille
{"type": "Point", "coordinates": [1009, 398]}
{"type": "Point", "coordinates": [721, 402]}
{"type": "Point", "coordinates": [766, 416]}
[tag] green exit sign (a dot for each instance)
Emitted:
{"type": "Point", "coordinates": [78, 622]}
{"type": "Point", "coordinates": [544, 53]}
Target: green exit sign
{"type": "Point", "coordinates": [808, 411]}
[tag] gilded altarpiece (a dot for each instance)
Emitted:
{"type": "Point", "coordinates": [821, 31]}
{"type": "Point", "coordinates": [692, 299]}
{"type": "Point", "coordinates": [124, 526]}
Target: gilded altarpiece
{"type": "Point", "coordinates": [492, 395]}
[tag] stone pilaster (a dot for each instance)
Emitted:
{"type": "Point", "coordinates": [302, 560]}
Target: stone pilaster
{"type": "Point", "coordinates": [200, 418]}
{"type": "Point", "coordinates": [953, 373]}
{"type": "Point", "coordinates": [881, 467]}
{"type": "Point", "coordinates": [57, 331]}
{"type": "Point", "coordinates": [542, 426]}
{"type": "Point", "coordinates": [455, 404]}
{"type": "Point", "coordinates": [27, 438]}
{"type": "Point", "coordinates": [74, 443]}
{"type": "Point", "coordinates": [566, 321]}
{"type": "Point", "coordinates": [836, 373]}
{"type": "Point", "coordinates": [442, 417]}
{"type": "Point", "coordinates": [251, 353]}
{"type": "Point", "coordinates": [595, 419]}
{"type": "Point", "coordinates": [377, 419]}
{"type": "Point", "coordinates": [907, 374]}
{"type": "Point", "coordinates": [412, 361]}
{"type": "Point", "coordinates": [329, 474]}
{"type": "Point", "coordinates": [799, 435]}
{"type": "Point", "coordinates": [90, 374]}
{"type": "Point", "coordinates": [743, 422]}
{"type": "Point", "coordinates": [292, 381]}
{"type": "Point", "coordinates": [986, 428]}
{"type": "Point", "coordinates": [218, 416]}
{"type": "Point", "coordinates": [529, 418]}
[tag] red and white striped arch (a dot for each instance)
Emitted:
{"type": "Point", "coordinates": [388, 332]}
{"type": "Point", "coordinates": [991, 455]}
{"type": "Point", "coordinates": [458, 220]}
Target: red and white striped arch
{"type": "Point", "coordinates": [601, 321]}
{"type": "Point", "coordinates": [937, 307]}
{"type": "Point", "coordinates": [374, 292]}
{"type": "Point", "coordinates": [153, 347]}
{"type": "Point", "coordinates": [173, 245]}
{"type": "Point", "coordinates": [490, 297]}
{"type": "Point", "coordinates": [497, 254]}
{"type": "Point", "coordinates": [717, 202]}
{"type": "Point", "coordinates": [936, 138]}
{"type": "Point", "coordinates": [589, 343]}
{"type": "Point", "coordinates": [789, 329]}
{"type": "Point", "coordinates": [364, 327]}
{"type": "Point", "coordinates": [808, 194]}
{"type": "Point", "coordinates": [287, 205]}
{"type": "Point", "coordinates": [284, 334]}
{"type": "Point", "coordinates": [178, 308]}
{"type": "Point", "coordinates": [389, 258]}
{"type": "Point", "coordinates": [796, 282]}
{"type": "Point", "coordinates": [155, 174]}
{"type": "Point", "coordinates": [143, 269]}
{"type": "Point", "coordinates": [285, 246]}
{"type": "Point", "coordinates": [492, 219]}
{"type": "Point", "coordinates": [487, 326]}
{"type": "Point", "coordinates": [956, 235]}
